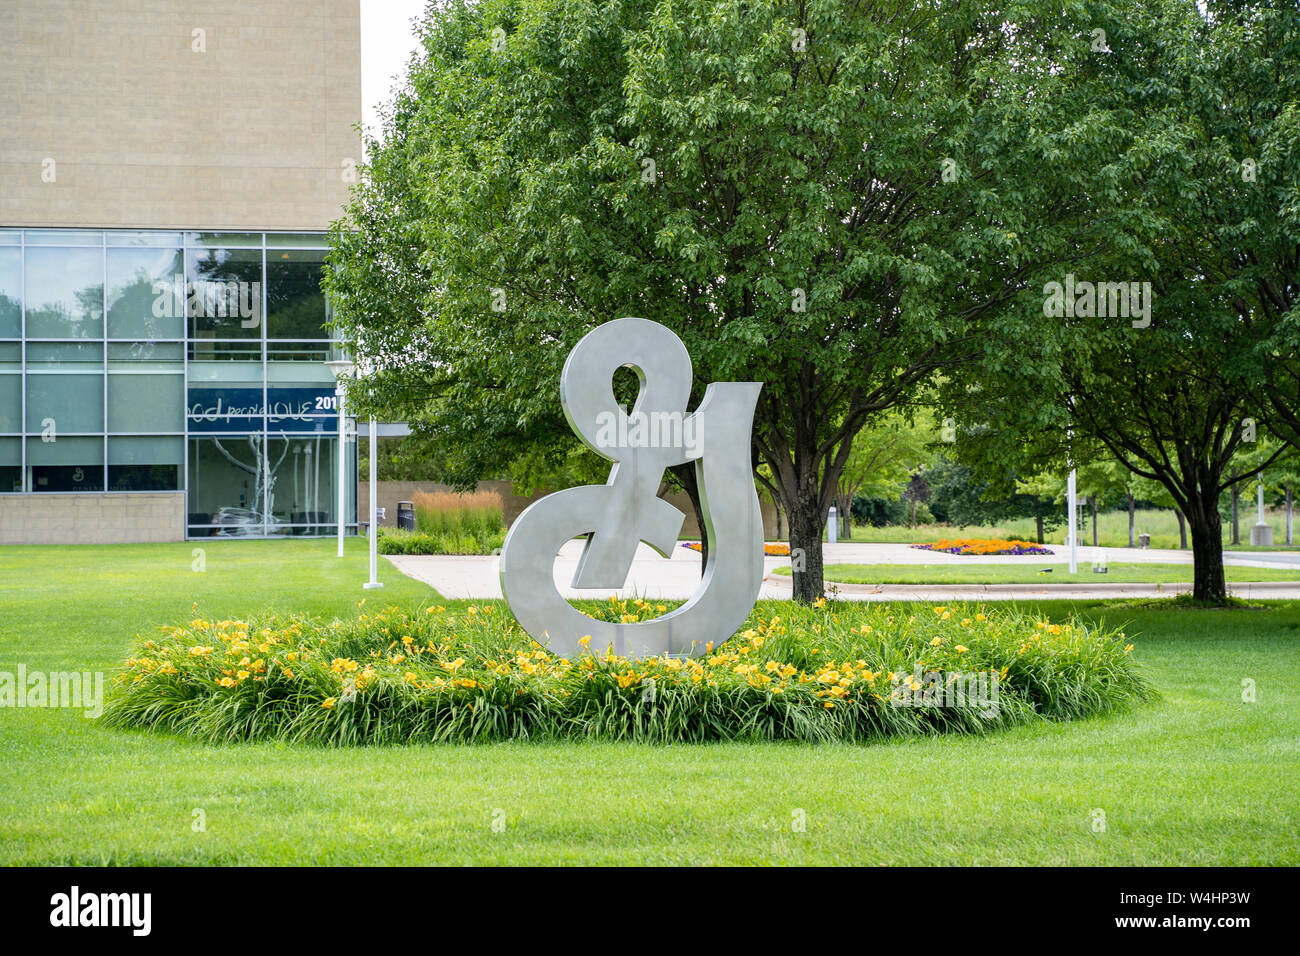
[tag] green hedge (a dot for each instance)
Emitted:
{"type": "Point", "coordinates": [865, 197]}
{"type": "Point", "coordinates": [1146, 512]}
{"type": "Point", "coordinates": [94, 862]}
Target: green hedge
{"type": "Point", "coordinates": [398, 541]}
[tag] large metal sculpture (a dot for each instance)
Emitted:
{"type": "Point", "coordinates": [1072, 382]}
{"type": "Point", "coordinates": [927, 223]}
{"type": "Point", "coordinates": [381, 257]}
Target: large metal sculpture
{"type": "Point", "coordinates": [624, 511]}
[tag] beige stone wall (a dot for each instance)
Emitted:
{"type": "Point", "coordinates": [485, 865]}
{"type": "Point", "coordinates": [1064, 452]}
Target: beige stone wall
{"type": "Point", "coordinates": [253, 133]}
{"type": "Point", "coordinates": [92, 518]}
{"type": "Point", "coordinates": [391, 492]}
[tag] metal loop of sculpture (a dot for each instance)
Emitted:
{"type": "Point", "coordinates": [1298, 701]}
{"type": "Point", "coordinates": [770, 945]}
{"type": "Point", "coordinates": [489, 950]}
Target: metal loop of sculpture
{"type": "Point", "coordinates": [626, 510]}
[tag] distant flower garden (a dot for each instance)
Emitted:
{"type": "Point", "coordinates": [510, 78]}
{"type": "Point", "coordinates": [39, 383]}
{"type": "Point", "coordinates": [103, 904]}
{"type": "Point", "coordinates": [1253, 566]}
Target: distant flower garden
{"type": "Point", "coordinates": [777, 550]}
{"type": "Point", "coordinates": [855, 672]}
{"type": "Point", "coordinates": [979, 546]}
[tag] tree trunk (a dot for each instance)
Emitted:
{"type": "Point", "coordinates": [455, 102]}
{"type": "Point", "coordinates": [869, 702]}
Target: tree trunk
{"type": "Point", "coordinates": [1038, 526]}
{"type": "Point", "coordinates": [1236, 498]}
{"type": "Point", "coordinates": [1182, 530]}
{"type": "Point", "coordinates": [1092, 503]}
{"type": "Point", "coordinates": [685, 475]}
{"type": "Point", "coordinates": [1207, 554]}
{"type": "Point", "coordinates": [1288, 514]}
{"type": "Point", "coordinates": [1132, 509]}
{"type": "Point", "coordinates": [806, 523]}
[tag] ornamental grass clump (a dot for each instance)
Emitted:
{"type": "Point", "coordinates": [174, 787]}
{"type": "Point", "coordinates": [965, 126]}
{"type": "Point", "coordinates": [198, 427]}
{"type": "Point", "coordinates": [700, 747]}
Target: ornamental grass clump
{"type": "Point", "coordinates": [850, 672]}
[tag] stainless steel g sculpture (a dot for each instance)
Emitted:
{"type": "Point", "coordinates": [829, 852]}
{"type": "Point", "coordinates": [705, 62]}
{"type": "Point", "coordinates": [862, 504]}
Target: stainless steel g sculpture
{"type": "Point", "coordinates": [625, 510]}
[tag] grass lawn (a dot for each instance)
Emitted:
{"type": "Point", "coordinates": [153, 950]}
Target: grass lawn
{"type": "Point", "coordinates": [1197, 778]}
{"type": "Point", "coordinates": [1112, 530]}
{"type": "Point", "coordinates": [1030, 574]}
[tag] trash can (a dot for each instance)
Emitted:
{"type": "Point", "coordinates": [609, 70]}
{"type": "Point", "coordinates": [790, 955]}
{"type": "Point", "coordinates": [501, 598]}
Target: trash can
{"type": "Point", "coordinates": [406, 515]}
{"type": "Point", "coordinates": [1144, 541]}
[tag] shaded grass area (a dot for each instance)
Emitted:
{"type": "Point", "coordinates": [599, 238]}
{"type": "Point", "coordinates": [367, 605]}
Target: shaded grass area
{"type": "Point", "coordinates": [978, 573]}
{"type": "Point", "coordinates": [1198, 777]}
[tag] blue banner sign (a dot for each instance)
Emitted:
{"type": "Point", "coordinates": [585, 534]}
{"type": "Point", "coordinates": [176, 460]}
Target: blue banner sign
{"type": "Point", "coordinates": [297, 410]}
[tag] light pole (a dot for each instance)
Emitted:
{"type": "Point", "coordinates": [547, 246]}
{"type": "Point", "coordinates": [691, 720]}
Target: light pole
{"type": "Point", "coordinates": [374, 508]}
{"type": "Point", "coordinates": [343, 369]}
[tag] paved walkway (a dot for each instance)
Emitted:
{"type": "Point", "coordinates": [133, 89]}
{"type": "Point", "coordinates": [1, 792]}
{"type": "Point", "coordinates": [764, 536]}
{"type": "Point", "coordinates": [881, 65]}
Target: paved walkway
{"type": "Point", "coordinates": [654, 577]}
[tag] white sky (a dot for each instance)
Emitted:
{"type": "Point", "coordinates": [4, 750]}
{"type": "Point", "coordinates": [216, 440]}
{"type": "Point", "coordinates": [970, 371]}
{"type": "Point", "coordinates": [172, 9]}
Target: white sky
{"type": "Point", "coordinates": [387, 41]}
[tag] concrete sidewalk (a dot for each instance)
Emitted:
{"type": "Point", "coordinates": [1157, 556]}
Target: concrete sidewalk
{"type": "Point", "coordinates": [675, 578]}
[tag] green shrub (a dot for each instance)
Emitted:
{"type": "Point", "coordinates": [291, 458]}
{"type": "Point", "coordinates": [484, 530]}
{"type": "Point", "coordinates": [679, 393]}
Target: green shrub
{"type": "Point", "coordinates": [838, 672]}
{"type": "Point", "coordinates": [399, 541]}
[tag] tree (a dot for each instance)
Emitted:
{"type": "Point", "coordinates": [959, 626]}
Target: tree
{"type": "Point", "coordinates": [884, 454]}
{"type": "Point", "coordinates": [831, 198]}
{"type": "Point", "coordinates": [1170, 391]}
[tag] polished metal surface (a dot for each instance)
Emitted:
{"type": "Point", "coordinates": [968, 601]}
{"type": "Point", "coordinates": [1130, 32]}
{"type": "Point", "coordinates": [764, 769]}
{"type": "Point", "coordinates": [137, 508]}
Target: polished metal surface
{"type": "Point", "coordinates": [616, 516]}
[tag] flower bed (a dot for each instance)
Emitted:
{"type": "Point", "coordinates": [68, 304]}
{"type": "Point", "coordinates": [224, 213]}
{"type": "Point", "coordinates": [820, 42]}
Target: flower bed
{"type": "Point", "coordinates": [841, 672]}
{"type": "Point", "coordinates": [777, 550]}
{"type": "Point", "coordinates": [980, 546]}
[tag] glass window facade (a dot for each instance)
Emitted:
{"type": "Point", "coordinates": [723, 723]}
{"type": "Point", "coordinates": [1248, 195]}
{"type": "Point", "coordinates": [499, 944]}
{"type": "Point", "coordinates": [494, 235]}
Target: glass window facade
{"type": "Point", "coordinates": [135, 361]}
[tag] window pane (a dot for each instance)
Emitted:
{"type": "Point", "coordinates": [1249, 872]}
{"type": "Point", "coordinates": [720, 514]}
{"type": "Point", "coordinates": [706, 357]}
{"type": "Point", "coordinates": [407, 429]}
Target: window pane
{"type": "Point", "coordinates": [218, 240]}
{"type": "Point", "coordinates": [302, 489]}
{"type": "Point", "coordinates": [69, 464]}
{"type": "Point", "coordinates": [307, 240]}
{"type": "Point", "coordinates": [66, 403]}
{"type": "Point", "coordinates": [294, 301]}
{"type": "Point", "coordinates": [225, 293]}
{"type": "Point", "coordinates": [146, 294]}
{"type": "Point", "coordinates": [146, 403]}
{"type": "Point", "coordinates": [64, 237]}
{"type": "Point", "coordinates": [225, 484]}
{"type": "Point", "coordinates": [83, 355]}
{"type": "Point", "coordinates": [145, 463]}
{"type": "Point", "coordinates": [65, 293]}
{"type": "Point", "coordinates": [300, 354]}
{"type": "Point", "coordinates": [119, 237]}
{"type": "Point", "coordinates": [227, 353]}
{"type": "Point", "coordinates": [11, 293]}
{"type": "Point", "coordinates": [137, 355]}
{"type": "Point", "coordinates": [11, 357]}
{"type": "Point", "coordinates": [11, 403]}
{"type": "Point", "coordinates": [11, 465]}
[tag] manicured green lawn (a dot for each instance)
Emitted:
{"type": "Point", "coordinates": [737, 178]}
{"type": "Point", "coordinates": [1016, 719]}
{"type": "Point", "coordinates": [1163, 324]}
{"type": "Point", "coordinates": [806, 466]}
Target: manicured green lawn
{"type": "Point", "coordinates": [978, 572]}
{"type": "Point", "coordinates": [1199, 777]}
{"type": "Point", "coordinates": [1112, 530]}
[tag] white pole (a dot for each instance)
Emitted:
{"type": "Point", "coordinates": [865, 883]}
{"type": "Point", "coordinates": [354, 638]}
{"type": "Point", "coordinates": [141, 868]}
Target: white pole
{"type": "Point", "coordinates": [1074, 514]}
{"type": "Point", "coordinates": [374, 507]}
{"type": "Point", "coordinates": [343, 468]}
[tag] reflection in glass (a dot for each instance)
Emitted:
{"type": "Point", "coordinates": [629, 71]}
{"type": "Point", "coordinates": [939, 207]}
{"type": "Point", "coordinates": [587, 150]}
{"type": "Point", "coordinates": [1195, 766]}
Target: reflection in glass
{"type": "Point", "coordinates": [224, 291]}
{"type": "Point", "coordinates": [226, 485]}
{"type": "Point", "coordinates": [146, 293]}
{"type": "Point", "coordinates": [302, 485]}
{"type": "Point", "coordinates": [65, 293]}
{"type": "Point", "coordinates": [11, 293]}
{"type": "Point", "coordinates": [294, 301]}
{"type": "Point", "coordinates": [82, 355]}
